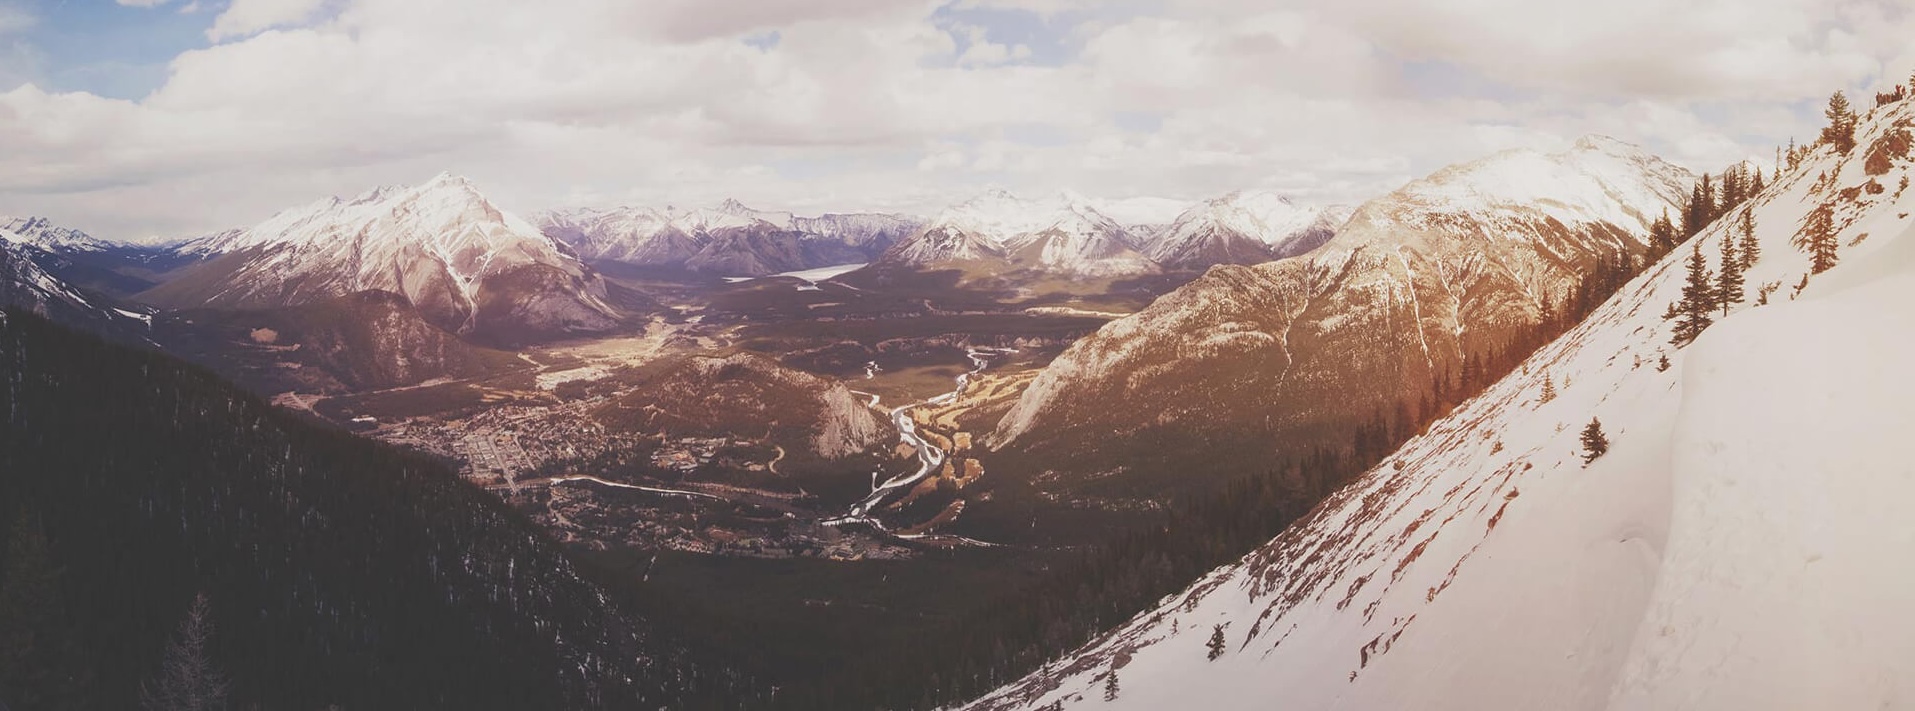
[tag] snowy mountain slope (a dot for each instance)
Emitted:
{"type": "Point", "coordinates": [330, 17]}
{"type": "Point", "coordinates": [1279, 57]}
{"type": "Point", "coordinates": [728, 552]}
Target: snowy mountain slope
{"type": "Point", "coordinates": [1244, 228]}
{"type": "Point", "coordinates": [468, 266]}
{"type": "Point", "coordinates": [88, 263]}
{"type": "Point", "coordinates": [729, 240]}
{"type": "Point", "coordinates": [1730, 551]}
{"type": "Point", "coordinates": [1289, 355]}
{"type": "Point", "coordinates": [1064, 235]}
{"type": "Point", "coordinates": [25, 285]}
{"type": "Point", "coordinates": [42, 233]}
{"type": "Point", "coordinates": [631, 235]}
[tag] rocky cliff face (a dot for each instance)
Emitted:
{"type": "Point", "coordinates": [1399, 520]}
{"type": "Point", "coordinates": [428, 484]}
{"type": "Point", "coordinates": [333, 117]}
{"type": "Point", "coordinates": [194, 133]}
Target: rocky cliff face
{"type": "Point", "coordinates": [1289, 355]}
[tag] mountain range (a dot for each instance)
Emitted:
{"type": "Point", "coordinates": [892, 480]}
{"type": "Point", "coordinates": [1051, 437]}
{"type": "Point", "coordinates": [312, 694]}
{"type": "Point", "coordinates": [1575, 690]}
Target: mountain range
{"type": "Point", "coordinates": [1071, 235]}
{"type": "Point", "coordinates": [1252, 363]}
{"type": "Point", "coordinates": [730, 240]}
{"type": "Point", "coordinates": [1724, 548]}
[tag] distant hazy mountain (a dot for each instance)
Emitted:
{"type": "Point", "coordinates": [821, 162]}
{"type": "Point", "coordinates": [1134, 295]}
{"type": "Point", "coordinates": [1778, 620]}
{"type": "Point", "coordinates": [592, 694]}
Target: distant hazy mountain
{"type": "Point", "coordinates": [1244, 228]}
{"type": "Point", "coordinates": [1073, 236]}
{"type": "Point", "coordinates": [1064, 235]}
{"type": "Point", "coordinates": [729, 240]}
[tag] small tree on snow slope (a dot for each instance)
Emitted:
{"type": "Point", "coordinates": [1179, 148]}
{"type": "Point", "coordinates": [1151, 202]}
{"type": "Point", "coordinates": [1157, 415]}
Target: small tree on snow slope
{"type": "Point", "coordinates": [1216, 643]}
{"type": "Point", "coordinates": [1595, 443]}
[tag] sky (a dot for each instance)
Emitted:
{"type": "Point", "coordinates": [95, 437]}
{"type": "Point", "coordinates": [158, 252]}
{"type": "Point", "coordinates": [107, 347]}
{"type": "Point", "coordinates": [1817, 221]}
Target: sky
{"type": "Point", "coordinates": [155, 119]}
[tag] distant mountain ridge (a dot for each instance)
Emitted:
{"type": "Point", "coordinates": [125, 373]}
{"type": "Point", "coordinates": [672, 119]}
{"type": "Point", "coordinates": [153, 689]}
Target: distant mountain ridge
{"type": "Point", "coordinates": [729, 240]}
{"type": "Point", "coordinates": [1071, 235]}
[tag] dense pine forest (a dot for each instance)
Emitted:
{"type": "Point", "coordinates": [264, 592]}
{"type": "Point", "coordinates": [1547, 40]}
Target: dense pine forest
{"type": "Point", "coordinates": [164, 528]}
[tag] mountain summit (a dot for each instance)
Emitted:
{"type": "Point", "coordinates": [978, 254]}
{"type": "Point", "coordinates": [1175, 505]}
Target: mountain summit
{"type": "Point", "coordinates": [468, 266]}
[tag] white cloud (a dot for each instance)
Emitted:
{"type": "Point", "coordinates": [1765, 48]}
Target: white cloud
{"type": "Point", "coordinates": [883, 104]}
{"type": "Point", "coordinates": [245, 17]}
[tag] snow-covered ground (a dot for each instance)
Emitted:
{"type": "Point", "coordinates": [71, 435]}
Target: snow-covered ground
{"type": "Point", "coordinates": [810, 277]}
{"type": "Point", "coordinates": [1742, 545]}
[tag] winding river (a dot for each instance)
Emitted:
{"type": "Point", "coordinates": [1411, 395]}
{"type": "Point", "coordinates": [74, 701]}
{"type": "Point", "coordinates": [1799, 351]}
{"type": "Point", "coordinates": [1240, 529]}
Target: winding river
{"type": "Point", "coordinates": [930, 457]}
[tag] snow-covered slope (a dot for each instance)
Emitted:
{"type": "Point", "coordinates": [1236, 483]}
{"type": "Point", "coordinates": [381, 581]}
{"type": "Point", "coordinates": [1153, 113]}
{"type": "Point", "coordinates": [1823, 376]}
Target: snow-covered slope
{"type": "Point", "coordinates": [634, 235]}
{"type": "Point", "coordinates": [1063, 235]}
{"type": "Point", "coordinates": [468, 266]}
{"type": "Point", "coordinates": [1244, 228]}
{"type": "Point", "coordinates": [729, 240]}
{"type": "Point", "coordinates": [1284, 356]}
{"type": "Point", "coordinates": [1738, 547]}
{"type": "Point", "coordinates": [25, 285]}
{"type": "Point", "coordinates": [43, 234]}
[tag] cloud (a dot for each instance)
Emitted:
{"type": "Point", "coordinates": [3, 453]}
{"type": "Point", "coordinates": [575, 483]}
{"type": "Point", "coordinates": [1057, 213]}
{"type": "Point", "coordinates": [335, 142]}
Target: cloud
{"type": "Point", "coordinates": [245, 17]}
{"type": "Point", "coordinates": [902, 105]}
{"type": "Point", "coordinates": [14, 18]}
{"type": "Point", "coordinates": [142, 3]}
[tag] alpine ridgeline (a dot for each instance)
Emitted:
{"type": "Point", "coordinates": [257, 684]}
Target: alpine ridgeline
{"type": "Point", "coordinates": [1244, 228]}
{"type": "Point", "coordinates": [1072, 236]}
{"type": "Point", "coordinates": [730, 240]}
{"type": "Point", "coordinates": [467, 266]}
{"type": "Point", "coordinates": [1728, 547]}
{"type": "Point", "coordinates": [1249, 363]}
{"type": "Point", "coordinates": [24, 284]}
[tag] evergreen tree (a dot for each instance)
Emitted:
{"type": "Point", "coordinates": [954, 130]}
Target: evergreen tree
{"type": "Point", "coordinates": [188, 681]}
{"type": "Point", "coordinates": [1756, 186]}
{"type": "Point", "coordinates": [1694, 218]}
{"type": "Point", "coordinates": [1732, 187]}
{"type": "Point", "coordinates": [1216, 643]}
{"type": "Point", "coordinates": [1817, 238]}
{"type": "Point", "coordinates": [1595, 443]}
{"type": "Point", "coordinates": [41, 665]}
{"type": "Point", "coordinates": [1662, 362]}
{"type": "Point", "coordinates": [1750, 248]}
{"type": "Point", "coordinates": [1840, 132]}
{"type": "Point", "coordinates": [1662, 234]}
{"type": "Point", "coordinates": [1698, 300]}
{"type": "Point", "coordinates": [1549, 388]}
{"type": "Point", "coordinates": [1110, 686]}
{"type": "Point", "coordinates": [1711, 205]}
{"type": "Point", "coordinates": [1729, 280]}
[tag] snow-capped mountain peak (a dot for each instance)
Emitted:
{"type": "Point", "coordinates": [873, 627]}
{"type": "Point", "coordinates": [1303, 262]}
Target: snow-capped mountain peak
{"type": "Point", "coordinates": [42, 233]}
{"type": "Point", "coordinates": [1244, 227]}
{"type": "Point", "coordinates": [1597, 179]}
{"type": "Point", "coordinates": [442, 244]}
